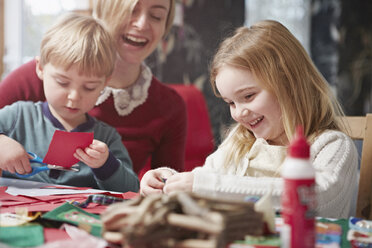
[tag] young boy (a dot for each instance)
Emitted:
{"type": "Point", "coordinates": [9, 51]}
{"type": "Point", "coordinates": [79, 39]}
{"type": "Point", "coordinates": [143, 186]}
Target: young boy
{"type": "Point", "coordinates": [76, 60]}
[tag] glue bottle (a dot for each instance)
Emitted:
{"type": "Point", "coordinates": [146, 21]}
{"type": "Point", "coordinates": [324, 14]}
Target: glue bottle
{"type": "Point", "coordinates": [298, 198]}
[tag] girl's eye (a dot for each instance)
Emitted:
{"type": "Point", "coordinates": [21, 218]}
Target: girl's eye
{"type": "Point", "coordinates": [248, 96]}
{"type": "Point", "coordinates": [231, 103]}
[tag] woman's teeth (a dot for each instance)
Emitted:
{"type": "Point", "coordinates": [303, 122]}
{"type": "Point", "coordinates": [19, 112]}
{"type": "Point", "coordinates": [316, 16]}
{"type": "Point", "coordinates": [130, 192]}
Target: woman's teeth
{"type": "Point", "coordinates": [135, 41]}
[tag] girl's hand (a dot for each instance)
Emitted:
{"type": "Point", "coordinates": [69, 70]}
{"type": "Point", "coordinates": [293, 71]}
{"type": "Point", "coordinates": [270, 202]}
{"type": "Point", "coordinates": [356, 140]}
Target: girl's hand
{"type": "Point", "coordinates": [153, 181]}
{"type": "Point", "coordinates": [95, 155]}
{"type": "Point", "coordinates": [13, 156]}
{"type": "Point", "coordinates": [179, 182]}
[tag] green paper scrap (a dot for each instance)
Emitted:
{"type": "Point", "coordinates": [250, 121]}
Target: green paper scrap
{"type": "Point", "coordinates": [268, 240]}
{"type": "Point", "coordinates": [344, 223]}
{"type": "Point", "coordinates": [71, 214]}
{"type": "Point", "coordinates": [22, 236]}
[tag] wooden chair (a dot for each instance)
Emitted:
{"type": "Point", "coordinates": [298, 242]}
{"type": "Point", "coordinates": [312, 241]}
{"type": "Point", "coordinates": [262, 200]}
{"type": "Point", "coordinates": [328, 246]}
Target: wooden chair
{"type": "Point", "coordinates": [361, 129]}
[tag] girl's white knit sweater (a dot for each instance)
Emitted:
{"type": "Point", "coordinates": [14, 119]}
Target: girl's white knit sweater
{"type": "Point", "coordinates": [333, 155]}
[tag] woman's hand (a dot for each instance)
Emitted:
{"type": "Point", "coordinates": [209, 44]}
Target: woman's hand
{"type": "Point", "coordinates": [13, 156]}
{"type": "Point", "coordinates": [179, 182]}
{"type": "Point", "coordinates": [153, 181]}
{"type": "Point", "coordinates": [95, 155]}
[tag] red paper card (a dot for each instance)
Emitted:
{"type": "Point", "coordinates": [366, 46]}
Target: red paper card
{"type": "Point", "coordinates": [63, 146]}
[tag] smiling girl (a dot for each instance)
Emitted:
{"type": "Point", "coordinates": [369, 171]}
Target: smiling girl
{"type": "Point", "coordinates": [271, 86]}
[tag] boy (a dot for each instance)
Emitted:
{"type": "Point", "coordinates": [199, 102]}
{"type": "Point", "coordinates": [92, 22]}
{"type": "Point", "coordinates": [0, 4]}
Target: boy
{"type": "Point", "coordinates": [76, 60]}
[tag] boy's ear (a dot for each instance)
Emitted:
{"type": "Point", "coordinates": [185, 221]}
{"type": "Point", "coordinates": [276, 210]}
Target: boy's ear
{"type": "Point", "coordinates": [39, 68]}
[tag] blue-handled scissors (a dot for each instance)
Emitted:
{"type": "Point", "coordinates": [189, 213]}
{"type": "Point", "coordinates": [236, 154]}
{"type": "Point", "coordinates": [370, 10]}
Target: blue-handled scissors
{"type": "Point", "coordinates": [36, 169]}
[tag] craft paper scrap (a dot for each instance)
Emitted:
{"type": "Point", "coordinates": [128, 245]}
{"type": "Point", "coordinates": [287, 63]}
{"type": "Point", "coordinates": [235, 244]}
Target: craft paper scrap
{"type": "Point", "coordinates": [12, 190]}
{"type": "Point", "coordinates": [22, 236]}
{"type": "Point", "coordinates": [63, 146]}
{"type": "Point", "coordinates": [68, 213]}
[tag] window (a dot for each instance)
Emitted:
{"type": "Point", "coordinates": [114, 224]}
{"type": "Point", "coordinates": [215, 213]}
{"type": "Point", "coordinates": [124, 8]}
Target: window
{"type": "Point", "coordinates": [1, 36]}
{"type": "Point", "coordinates": [25, 22]}
{"type": "Point", "coordinates": [294, 14]}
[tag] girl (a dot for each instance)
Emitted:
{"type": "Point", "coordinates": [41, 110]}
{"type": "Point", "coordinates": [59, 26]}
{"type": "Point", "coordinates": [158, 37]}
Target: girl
{"type": "Point", "coordinates": [149, 116]}
{"type": "Point", "coordinates": [271, 85]}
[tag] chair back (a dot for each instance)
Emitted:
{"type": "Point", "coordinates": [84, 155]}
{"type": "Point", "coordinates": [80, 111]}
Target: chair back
{"type": "Point", "coordinates": [199, 139]}
{"type": "Point", "coordinates": [360, 128]}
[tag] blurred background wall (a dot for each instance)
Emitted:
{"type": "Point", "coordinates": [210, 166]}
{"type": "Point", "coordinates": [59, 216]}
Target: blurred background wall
{"type": "Point", "coordinates": [336, 33]}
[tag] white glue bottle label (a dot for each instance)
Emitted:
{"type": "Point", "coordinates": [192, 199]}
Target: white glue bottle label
{"type": "Point", "coordinates": [298, 198]}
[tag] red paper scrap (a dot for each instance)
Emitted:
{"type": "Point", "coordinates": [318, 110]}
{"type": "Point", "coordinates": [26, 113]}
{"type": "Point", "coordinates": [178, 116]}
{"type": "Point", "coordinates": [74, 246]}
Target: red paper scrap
{"type": "Point", "coordinates": [64, 187]}
{"type": "Point", "coordinates": [47, 203]}
{"type": "Point", "coordinates": [53, 234]}
{"type": "Point", "coordinates": [63, 146]}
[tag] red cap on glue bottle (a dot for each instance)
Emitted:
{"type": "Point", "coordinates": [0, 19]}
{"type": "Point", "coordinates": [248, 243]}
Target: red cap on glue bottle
{"type": "Point", "coordinates": [299, 147]}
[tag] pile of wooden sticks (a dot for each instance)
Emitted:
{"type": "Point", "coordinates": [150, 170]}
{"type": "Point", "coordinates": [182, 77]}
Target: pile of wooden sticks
{"type": "Point", "coordinates": [182, 220]}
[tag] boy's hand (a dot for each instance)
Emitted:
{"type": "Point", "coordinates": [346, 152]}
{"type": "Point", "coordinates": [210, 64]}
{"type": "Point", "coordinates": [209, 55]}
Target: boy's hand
{"type": "Point", "coordinates": [153, 181]}
{"type": "Point", "coordinates": [95, 155]}
{"type": "Point", "coordinates": [179, 182]}
{"type": "Point", "coordinates": [13, 157]}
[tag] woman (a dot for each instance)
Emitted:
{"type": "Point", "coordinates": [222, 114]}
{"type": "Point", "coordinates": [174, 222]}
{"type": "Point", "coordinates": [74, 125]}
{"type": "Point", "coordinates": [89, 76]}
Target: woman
{"type": "Point", "coordinates": [150, 117]}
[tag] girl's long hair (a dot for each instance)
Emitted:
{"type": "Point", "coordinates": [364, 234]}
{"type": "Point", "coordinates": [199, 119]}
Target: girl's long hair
{"type": "Point", "coordinates": [283, 67]}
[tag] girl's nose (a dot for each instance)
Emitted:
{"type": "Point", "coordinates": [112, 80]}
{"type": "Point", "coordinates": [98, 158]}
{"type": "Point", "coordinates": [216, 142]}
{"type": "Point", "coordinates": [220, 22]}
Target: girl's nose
{"type": "Point", "coordinates": [242, 112]}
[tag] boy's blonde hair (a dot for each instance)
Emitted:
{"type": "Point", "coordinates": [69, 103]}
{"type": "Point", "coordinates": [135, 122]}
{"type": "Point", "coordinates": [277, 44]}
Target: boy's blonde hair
{"type": "Point", "coordinates": [115, 13]}
{"type": "Point", "coordinates": [282, 66]}
{"type": "Point", "coordinates": [79, 40]}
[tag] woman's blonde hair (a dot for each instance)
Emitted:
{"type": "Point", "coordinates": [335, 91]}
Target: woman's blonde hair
{"type": "Point", "coordinates": [280, 63]}
{"type": "Point", "coordinates": [79, 40]}
{"type": "Point", "coordinates": [115, 13]}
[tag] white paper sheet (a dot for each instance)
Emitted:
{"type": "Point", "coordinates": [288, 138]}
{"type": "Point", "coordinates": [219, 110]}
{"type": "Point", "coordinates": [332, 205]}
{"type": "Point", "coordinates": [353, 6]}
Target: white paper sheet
{"type": "Point", "coordinates": [31, 188]}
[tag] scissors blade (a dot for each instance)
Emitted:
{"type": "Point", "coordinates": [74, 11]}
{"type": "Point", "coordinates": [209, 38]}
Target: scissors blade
{"type": "Point", "coordinates": [74, 168]}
